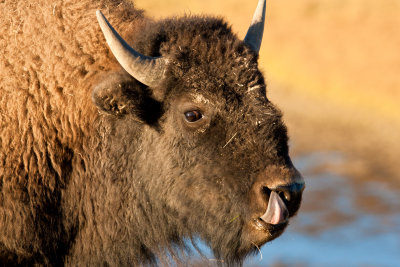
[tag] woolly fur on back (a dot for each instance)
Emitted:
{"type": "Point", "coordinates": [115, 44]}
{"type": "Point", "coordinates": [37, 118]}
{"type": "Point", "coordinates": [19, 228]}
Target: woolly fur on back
{"type": "Point", "coordinates": [50, 53]}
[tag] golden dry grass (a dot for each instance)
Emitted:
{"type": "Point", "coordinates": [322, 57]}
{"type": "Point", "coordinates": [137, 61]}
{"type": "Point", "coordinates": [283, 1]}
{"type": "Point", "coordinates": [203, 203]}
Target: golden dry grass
{"type": "Point", "coordinates": [333, 67]}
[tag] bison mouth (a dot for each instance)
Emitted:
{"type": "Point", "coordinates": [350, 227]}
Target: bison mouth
{"type": "Point", "coordinates": [276, 217]}
{"type": "Point", "coordinates": [283, 203]}
{"type": "Point", "coordinates": [273, 230]}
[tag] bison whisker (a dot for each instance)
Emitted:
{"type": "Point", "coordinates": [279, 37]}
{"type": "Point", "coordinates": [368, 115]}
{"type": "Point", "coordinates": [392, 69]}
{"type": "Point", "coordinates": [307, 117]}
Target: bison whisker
{"type": "Point", "coordinates": [253, 88]}
{"type": "Point", "coordinates": [259, 251]}
{"type": "Point", "coordinates": [237, 216]}
{"type": "Point", "coordinates": [230, 140]}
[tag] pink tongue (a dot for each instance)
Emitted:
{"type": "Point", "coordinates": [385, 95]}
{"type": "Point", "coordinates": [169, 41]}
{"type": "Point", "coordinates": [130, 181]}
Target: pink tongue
{"type": "Point", "coordinates": [276, 212]}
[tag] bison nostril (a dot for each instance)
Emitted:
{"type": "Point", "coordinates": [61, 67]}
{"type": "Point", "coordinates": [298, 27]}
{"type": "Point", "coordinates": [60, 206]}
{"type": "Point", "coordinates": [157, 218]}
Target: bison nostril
{"type": "Point", "coordinates": [266, 191]}
{"type": "Point", "coordinates": [291, 195]}
{"type": "Point", "coordinates": [285, 195]}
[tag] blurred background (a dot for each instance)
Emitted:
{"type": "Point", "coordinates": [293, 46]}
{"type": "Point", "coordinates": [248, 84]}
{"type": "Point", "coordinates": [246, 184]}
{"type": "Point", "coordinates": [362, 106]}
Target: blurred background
{"type": "Point", "coordinates": [333, 67]}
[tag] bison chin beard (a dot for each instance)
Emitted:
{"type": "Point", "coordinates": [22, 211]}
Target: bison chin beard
{"type": "Point", "coordinates": [231, 245]}
{"type": "Point", "coordinates": [243, 237]}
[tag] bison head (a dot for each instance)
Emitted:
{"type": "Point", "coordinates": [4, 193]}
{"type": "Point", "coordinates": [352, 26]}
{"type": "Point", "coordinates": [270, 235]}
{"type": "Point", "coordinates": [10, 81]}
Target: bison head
{"type": "Point", "coordinates": [210, 149]}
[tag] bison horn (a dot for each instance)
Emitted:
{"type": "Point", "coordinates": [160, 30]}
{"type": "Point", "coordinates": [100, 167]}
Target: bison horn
{"type": "Point", "coordinates": [255, 32]}
{"type": "Point", "coordinates": [147, 70]}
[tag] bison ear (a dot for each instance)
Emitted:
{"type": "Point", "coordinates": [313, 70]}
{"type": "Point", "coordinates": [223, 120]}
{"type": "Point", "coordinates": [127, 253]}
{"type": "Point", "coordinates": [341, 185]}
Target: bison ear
{"type": "Point", "coordinates": [118, 94]}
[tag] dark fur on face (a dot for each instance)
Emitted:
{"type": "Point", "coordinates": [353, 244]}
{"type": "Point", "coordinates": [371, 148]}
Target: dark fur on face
{"type": "Point", "coordinates": [118, 174]}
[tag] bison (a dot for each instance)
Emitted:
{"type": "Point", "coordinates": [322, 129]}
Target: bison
{"type": "Point", "coordinates": [121, 158]}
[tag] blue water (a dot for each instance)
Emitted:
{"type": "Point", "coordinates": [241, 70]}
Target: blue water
{"type": "Point", "coordinates": [341, 223]}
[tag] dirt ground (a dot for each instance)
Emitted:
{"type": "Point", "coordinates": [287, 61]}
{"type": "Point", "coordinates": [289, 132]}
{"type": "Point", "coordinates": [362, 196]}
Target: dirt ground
{"type": "Point", "coordinates": [333, 67]}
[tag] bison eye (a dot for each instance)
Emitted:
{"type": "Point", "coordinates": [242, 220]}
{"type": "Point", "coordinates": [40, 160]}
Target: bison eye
{"type": "Point", "coordinates": [192, 116]}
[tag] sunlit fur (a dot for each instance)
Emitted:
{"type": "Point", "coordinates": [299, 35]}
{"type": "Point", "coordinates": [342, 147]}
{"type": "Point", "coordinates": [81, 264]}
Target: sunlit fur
{"type": "Point", "coordinates": [96, 168]}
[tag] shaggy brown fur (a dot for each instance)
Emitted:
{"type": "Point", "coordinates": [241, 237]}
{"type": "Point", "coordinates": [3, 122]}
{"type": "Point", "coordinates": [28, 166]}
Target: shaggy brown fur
{"type": "Point", "coordinates": [126, 180]}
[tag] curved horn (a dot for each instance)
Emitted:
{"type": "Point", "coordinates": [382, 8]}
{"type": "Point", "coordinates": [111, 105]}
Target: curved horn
{"type": "Point", "coordinates": [255, 32]}
{"type": "Point", "coordinates": [147, 70]}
